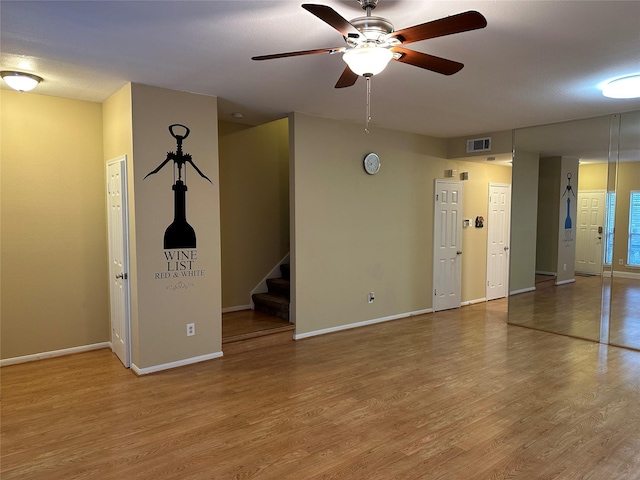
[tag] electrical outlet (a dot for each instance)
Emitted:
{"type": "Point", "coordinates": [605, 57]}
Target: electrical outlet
{"type": "Point", "coordinates": [620, 261]}
{"type": "Point", "coordinates": [191, 329]}
{"type": "Point", "coordinates": [564, 267]}
{"type": "Point", "coordinates": [372, 297]}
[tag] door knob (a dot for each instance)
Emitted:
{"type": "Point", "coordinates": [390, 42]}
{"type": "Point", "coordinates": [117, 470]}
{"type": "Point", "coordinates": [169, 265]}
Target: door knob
{"type": "Point", "coordinates": [122, 275]}
{"type": "Point", "coordinates": [458, 253]}
{"type": "Point", "coordinates": [506, 248]}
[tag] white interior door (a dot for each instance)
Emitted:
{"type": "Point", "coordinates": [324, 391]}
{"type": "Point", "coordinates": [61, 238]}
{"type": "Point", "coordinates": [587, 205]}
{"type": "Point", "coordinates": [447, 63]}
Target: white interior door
{"type": "Point", "coordinates": [118, 258]}
{"type": "Point", "coordinates": [498, 223]}
{"type": "Point", "coordinates": [590, 232]}
{"type": "Point", "coordinates": [447, 245]}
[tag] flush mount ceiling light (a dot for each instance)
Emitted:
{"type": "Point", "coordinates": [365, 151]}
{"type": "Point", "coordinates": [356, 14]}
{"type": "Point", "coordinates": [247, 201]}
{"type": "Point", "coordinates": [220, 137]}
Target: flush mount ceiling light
{"type": "Point", "coordinates": [23, 82]}
{"type": "Point", "coordinates": [623, 87]}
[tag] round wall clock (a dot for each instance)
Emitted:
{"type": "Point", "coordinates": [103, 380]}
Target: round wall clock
{"type": "Point", "coordinates": [371, 163]}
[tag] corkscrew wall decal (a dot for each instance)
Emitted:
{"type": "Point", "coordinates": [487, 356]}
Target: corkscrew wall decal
{"type": "Point", "coordinates": [179, 234]}
{"type": "Point", "coordinates": [567, 222]}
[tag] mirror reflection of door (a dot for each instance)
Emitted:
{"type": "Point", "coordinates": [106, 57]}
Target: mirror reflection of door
{"type": "Point", "coordinates": [624, 328]}
{"type": "Point", "coordinates": [590, 232]}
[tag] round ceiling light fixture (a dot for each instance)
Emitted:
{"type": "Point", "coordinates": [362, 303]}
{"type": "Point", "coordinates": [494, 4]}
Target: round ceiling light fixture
{"type": "Point", "coordinates": [622, 87]}
{"type": "Point", "coordinates": [367, 59]}
{"type": "Point", "coordinates": [23, 82]}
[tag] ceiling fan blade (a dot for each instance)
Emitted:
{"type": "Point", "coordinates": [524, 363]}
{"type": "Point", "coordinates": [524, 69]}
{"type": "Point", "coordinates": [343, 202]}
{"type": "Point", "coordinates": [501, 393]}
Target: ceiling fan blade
{"type": "Point", "coordinates": [333, 18]}
{"type": "Point", "coordinates": [347, 79]}
{"type": "Point", "coordinates": [297, 54]}
{"type": "Point", "coordinates": [462, 22]}
{"type": "Point", "coordinates": [429, 62]}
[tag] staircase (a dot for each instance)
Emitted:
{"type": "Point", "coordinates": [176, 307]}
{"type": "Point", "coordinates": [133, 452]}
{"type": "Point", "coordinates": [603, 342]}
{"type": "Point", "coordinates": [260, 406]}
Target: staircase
{"type": "Point", "coordinates": [276, 301]}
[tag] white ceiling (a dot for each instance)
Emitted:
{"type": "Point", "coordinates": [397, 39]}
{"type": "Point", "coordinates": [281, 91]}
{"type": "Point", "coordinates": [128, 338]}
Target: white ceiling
{"type": "Point", "coordinates": [536, 62]}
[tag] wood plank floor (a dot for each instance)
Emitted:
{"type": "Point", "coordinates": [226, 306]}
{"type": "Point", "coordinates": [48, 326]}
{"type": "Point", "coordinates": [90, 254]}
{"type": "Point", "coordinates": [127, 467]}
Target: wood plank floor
{"type": "Point", "coordinates": [453, 395]}
{"type": "Point", "coordinates": [625, 313]}
{"type": "Point", "coordinates": [572, 309]}
{"type": "Point", "coordinates": [246, 323]}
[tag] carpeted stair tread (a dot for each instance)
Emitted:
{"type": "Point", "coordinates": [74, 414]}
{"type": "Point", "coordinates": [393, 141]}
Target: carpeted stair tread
{"type": "Point", "coordinates": [272, 298]}
{"type": "Point", "coordinates": [279, 286]}
{"type": "Point", "coordinates": [272, 304]}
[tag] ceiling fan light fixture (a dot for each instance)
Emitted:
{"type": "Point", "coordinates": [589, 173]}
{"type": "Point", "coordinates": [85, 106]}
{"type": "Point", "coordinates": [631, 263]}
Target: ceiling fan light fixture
{"type": "Point", "coordinates": [623, 87]}
{"type": "Point", "coordinates": [23, 82]}
{"type": "Point", "coordinates": [366, 60]}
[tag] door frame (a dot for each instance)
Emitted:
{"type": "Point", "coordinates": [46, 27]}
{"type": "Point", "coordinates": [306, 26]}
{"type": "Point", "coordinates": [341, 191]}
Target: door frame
{"type": "Point", "coordinates": [122, 160]}
{"type": "Point", "coordinates": [490, 227]}
{"type": "Point", "coordinates": [460, 185]}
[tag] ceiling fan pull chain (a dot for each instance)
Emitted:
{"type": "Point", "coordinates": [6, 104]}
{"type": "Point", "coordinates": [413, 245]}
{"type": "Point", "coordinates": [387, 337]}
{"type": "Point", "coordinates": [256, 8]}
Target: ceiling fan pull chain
{"type": "Point", "coordinates": [366, 126]}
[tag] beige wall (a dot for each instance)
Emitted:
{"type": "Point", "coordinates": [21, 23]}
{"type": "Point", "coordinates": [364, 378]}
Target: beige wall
{"type": "Point", "coordinates": [54, 247]}
{"type": "Point", "coordinates": [168, 299]}
{"type": "Point", "coordinates": [592, 176]}
{"type": "Point", "coordinates": [524, 206]}
{"type": "Point", "coordinates": [548, 215]}
{"type": "Point", "coordinates": [355, 233]}
{"type": "Point", "coordinates": [254, 205]}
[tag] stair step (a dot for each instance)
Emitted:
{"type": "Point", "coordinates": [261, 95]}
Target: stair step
{"type": "Point", "coordinates": [272, 304]}
{"type": "Point", "coordinates": [285, 268]}
{"type": "Point", "coordinates": [279, 286]}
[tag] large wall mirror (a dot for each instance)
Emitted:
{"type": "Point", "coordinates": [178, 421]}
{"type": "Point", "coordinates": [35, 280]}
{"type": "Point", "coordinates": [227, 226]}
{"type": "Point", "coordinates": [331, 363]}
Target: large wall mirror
{"type": "Point", "coordinates": [575, 245]}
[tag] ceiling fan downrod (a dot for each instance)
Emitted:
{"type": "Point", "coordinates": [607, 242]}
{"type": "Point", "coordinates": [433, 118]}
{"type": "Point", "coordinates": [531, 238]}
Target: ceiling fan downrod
{"type": "Point", "coordinates": [368, 5]}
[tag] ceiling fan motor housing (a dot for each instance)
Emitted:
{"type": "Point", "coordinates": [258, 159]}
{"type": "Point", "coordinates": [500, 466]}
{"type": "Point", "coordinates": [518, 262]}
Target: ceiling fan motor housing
{"type": "Point", "coordinates": [373, 29]}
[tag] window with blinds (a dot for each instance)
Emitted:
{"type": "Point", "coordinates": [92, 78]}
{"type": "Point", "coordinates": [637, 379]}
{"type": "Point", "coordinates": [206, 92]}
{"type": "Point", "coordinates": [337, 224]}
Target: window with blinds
{"type": "Point", "coordinates": [611, 215]}
{"type": "Point", "coordinates": [633, 249]}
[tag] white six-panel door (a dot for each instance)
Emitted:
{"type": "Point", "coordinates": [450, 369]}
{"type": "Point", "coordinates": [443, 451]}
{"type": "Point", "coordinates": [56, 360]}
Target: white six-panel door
{"type": "Point", "coordinates": [447, 245]}
{"type": "Point", "coordinates": [590, 232]}
{"type": "Point", "coordinates": [498, 223]}
{"type": "Point", "coordinates": [118, 258]}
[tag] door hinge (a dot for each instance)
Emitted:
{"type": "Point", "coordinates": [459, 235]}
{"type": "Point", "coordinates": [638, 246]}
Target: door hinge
{"type": "Point", "coordinates": [434, 292]}
{"type": "Point", "coordinates": [437, 197]}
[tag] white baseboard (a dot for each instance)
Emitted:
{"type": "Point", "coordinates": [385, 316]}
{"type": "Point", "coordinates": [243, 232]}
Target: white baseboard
{"type": "Point", "coordinates": [180, 363]}
{"type": "Point", "coordinates": [626, 275]}
{"type": "Point", "coordinates": [237, 308]}
{"type": "Point", "coordinates": [522, 290]}
{"type": "Point", "coordinates": [54, 353]}
{"type": "Point", "coordinates": [360, 324]}
{"type": "Point", "coordinates": [564, 282]}
{"type": "Point", "coordinates": [471, 302]}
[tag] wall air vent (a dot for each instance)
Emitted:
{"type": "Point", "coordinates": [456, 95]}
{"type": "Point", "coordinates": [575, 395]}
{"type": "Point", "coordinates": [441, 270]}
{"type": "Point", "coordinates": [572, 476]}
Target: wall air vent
{"type": "Point", "coordinates": [479, 145]}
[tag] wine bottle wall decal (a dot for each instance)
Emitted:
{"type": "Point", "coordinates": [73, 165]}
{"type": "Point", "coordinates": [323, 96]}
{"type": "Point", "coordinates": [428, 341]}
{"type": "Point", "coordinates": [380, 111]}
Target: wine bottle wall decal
{"type": "Point", "coordinates": [179, 234]}
{"type": "Point", "coordinates": [567, 221]}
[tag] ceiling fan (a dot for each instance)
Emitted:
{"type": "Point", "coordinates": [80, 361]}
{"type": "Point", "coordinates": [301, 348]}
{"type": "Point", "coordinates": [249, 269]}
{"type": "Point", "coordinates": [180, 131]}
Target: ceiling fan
{"type": "Point", "coordinates": [372, 42]}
